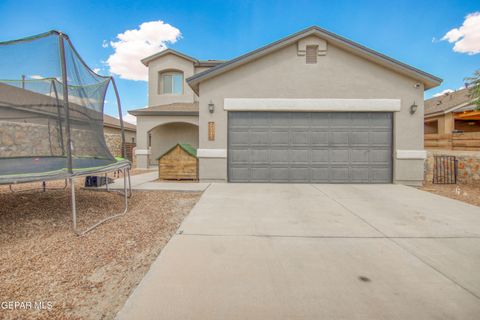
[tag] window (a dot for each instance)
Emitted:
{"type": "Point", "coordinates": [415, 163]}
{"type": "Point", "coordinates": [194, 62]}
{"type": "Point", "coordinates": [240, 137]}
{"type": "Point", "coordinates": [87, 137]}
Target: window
{"type": "Point", "coordinates": [170, 82]}
{"type": "Point", "coordinates": [311, 54]}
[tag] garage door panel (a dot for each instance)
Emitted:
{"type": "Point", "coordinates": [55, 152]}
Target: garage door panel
{"type": "Point", "coordinates": [260, 174]}
{"type": "Point", "coordinates": [280, 137]}
{"type": "Point", "coordinates": [279, 174]}
{"type": "Point", "coordinates": [310, 147]}
{"type": "Point", "coordinates": [359, 174]}
{"type": "Point", "coordinates": [359, 156]}
{"type": "Point", "coordinates": [299, 156]}
{"type": "Point", "coordinates": [279, 156]}
{"type": "Point", "coordinates": [338, 138]}
{"type": "Point", "coordinates": [379, 156]}
{"type": "Point", "coordinates": [280, 119]}
{"type": "Point", "coordinates": [381, 138]}
{"type": "Point", "coordinates": [319, 175]}
{"type": "Point", "coordinates": [239, 138]}
{"type": "Point", "coordinates": [381, 175]}
{"type": "Point", "coordinates": [338, 174]}
{"type": "Point", "coordinates": [319, 138]}
{"type": "Point", "coordinates": [299, 174]}
{"type": "Point", "coordinates": [339, 156]}
{"type": "Point", "coordinates": [359, 138]}
{"type": "Point", "coordinates": [259, 138]}
{"type": "Point", "coordinates": [300, 138]}
{"type": "Point", "coordinates": [259, 156]}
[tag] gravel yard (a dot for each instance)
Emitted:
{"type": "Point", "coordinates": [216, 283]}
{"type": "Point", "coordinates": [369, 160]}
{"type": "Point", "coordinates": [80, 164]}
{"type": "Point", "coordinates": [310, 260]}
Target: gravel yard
{"type": "Point", "coordinates": [469, 193]}
{"type": "Point", "coordinates": [90, 277]}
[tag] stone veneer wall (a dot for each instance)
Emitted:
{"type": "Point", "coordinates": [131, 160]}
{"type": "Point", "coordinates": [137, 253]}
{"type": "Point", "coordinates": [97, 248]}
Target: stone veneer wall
{"type": "Point", "coordinates": [19, 139]}
{"type": "Point", "coordinates": [114, 143]}
{"type": "Point", "coordinates": [468, 164]}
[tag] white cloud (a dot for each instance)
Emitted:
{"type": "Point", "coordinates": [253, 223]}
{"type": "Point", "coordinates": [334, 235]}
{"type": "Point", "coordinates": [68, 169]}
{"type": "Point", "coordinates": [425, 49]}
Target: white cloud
{"type": "Point", "coordinates": [130, 118]}
{"type": "Point", "coordinates": [443, 92]}
{"type": "Point", "coordinates": [36, 77]}
{"type": "Point", "coordinates": [105, 44]}
{"type": "Point", "coordinates": [466, 37]}
{"type": "Point", "coordinates": [136, 44]}
{"type": "Point", "coordinates": [97, 70]}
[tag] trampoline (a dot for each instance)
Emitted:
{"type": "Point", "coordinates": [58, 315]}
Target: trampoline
{"type": "Point", "coordinates": [51, 117]}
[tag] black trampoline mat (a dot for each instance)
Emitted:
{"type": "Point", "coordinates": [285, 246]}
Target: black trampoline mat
{"type": "Point", "coordinates": [37, 165]}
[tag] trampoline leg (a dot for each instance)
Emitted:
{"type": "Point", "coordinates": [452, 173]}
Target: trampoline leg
{"type": "Point", "coordinates": [129, 182]}
{"type": "Point", "coordinates": [74, 205]}
{"type": "Point", "coordinates": [44, 186]}
{"type": "Point", "coordinates": [74, 210]}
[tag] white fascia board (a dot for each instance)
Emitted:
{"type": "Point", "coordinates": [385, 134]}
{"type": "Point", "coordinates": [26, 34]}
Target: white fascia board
{"type": "Point", "coordinates": [211, 153]}
{"type": "Point", "coordinates": [411, 154]}
{"type": "Point", "coordinates": [312, 105]}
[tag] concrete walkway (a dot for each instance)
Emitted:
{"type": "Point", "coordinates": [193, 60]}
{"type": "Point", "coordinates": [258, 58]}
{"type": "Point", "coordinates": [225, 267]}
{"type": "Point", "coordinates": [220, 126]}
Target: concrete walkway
{"type": "Point", "coordinates": [272, 251]}
{"type": "Point", "coordinates": [147, 181]}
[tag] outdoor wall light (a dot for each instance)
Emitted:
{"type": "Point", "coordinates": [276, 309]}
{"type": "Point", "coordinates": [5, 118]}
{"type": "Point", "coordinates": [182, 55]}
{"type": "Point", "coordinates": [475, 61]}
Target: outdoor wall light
{"type": "Point", "coordinates": [211, 107]}
{"type": "Point", "coordinates": [413, 108]}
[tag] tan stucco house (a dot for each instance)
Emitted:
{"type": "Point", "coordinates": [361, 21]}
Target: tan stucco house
{"type": "Point", "coordinates": [452, 111]}
{"type": "Point", "coordinates": [311, 107]}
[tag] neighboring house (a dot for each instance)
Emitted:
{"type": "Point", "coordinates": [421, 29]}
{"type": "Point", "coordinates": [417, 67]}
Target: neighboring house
{"type": "Point", "coordinates": [311, 107]}
{"type": "Point", "coordinates": [454, 111]}
{"type": "Point", "coordinates": [111, 125]}
{"type": "Point", "coordinates": [452, 121]}
{"type": "Point", "coordinates": [113, 136]}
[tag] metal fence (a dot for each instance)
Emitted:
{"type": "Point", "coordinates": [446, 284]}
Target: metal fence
{"type": "Point", "coordinates": [445, 170]}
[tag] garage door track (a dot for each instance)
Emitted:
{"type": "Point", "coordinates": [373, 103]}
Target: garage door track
{"type": "Point", "coordinates": [287, 251]}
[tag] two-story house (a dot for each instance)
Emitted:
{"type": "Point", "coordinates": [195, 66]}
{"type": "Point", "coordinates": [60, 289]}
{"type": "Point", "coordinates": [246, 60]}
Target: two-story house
{"type": "Point", "coordinates": [172, 113]}
{"type": "Point", "coordinates": [313, 107]}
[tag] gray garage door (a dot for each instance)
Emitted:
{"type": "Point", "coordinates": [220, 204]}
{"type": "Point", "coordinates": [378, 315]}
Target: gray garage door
{"type": "Point", "coordinates": [317, 147]}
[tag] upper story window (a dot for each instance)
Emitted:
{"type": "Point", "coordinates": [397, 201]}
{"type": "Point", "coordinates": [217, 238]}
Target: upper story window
{"type": "Point", "coordinates": [170, 82]}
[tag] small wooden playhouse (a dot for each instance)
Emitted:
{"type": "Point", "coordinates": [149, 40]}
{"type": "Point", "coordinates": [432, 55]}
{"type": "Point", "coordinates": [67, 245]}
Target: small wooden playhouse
{"type": "Point", "coordinates": [179, 163]}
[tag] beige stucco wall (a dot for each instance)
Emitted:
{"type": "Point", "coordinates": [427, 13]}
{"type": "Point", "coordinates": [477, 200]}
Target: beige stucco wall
{"type": "Point", "coordinates": [145, 124]}
{"type": "Point", "coordinates": [166, 136]}
{"type": "Point", "coordinates": [338, 74]}
{"type": "Point", "coordinates": [164, 63]}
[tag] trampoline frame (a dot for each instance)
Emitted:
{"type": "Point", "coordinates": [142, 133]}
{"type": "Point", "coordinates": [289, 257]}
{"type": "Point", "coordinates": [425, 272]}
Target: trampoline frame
{"type": "Point", "coordinates": [70, 174]}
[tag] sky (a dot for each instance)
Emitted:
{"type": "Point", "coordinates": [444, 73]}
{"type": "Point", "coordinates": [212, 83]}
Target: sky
{"type": "Point", "coordinates": [439, 37]}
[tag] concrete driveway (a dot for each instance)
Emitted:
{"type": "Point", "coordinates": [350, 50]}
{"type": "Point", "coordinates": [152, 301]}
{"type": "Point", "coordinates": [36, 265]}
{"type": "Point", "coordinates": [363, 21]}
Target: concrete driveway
{"type": "Point", "coordinates": [273, 251]}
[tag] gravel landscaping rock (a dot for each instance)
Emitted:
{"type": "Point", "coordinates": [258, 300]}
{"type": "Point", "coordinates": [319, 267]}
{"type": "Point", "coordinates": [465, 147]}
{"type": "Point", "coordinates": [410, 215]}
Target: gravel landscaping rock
{"type": "Point", "coordinates": [89, 277]}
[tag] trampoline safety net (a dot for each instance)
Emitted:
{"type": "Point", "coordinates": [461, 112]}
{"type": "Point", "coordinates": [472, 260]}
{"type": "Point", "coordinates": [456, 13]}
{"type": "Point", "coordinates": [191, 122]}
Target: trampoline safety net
{"type": "Point", "coordinates": [51, 109]}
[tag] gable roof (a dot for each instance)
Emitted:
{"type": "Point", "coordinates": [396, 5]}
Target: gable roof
{"type": "Point", "coordinates": [447, 102]}
{"type": "Point", "coordinates": [427, 79]}
{"type": "Point", "coordinates": [184, 146]}
{"type": "Point", "coordinates": [196, 62]}
{"type": "Point", "coordinates": [172, 109]}
{"type": "Point", "coordinates": [112, 122]}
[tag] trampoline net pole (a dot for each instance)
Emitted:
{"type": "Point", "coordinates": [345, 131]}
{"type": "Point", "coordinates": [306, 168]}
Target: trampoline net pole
{"type": "Point", "coordinates": [120, 117]}
{"type": "Point", "coordinates": [65, 101]}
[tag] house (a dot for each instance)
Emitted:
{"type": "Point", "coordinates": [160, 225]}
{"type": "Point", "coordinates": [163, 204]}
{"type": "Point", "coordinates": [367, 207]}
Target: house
{"type": "Point", "coordinates": [311, 107]}
{"type": "Point", "coordinates": [453, 111]}
{"type": "Point", "coordinates": [452, 121]}
{"type": "Point", "coordinates": [111, 125]}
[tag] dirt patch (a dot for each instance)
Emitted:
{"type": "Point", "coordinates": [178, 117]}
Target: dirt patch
{"type": "Point", "coordinates": [88, 277]}
{"type": "Point", "coordinates": [466, 193]}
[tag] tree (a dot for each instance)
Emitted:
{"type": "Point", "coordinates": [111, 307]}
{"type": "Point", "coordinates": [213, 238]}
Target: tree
{"type": "Point", "coordinates": [474, 87]}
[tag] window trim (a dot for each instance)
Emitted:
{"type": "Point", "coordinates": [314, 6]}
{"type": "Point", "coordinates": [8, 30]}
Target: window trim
{"type": "Point", "coordinates": [170, 72]}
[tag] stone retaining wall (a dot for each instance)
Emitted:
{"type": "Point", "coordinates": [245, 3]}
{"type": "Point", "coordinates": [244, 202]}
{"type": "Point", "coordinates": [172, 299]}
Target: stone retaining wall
{"type": "Point", "coordinates": [468, 164]}
{"type": "Point", "coordinates": [19, 139]}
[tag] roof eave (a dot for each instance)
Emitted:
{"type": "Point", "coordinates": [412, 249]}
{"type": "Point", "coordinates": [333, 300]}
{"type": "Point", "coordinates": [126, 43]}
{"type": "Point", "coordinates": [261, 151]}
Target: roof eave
{"type": "Point", "coordinates": [427, 79]}
{"type": "Point", "coordinates": [163, 113]}
{"type": "Point", "coordinates": [157, 55]}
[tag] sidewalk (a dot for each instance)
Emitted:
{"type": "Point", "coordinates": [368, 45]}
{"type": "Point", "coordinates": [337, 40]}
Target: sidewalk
{"type": "Point", "coordinates": [148, 181]}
